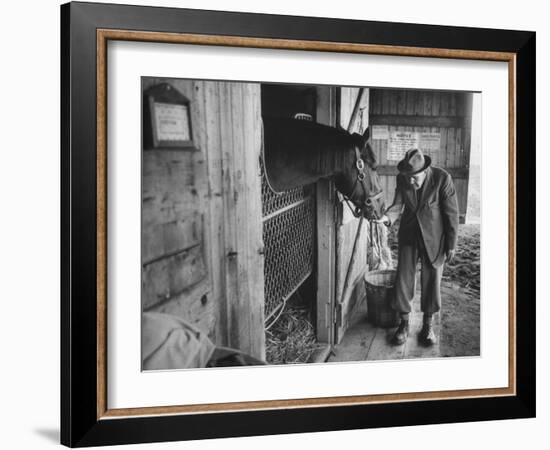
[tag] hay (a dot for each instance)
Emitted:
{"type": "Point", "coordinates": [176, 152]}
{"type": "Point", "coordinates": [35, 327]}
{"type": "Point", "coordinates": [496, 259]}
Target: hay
{"type": "Point", "coordinates": [291, 340]}
{"type": "Point", "coordinates": [464, 270]}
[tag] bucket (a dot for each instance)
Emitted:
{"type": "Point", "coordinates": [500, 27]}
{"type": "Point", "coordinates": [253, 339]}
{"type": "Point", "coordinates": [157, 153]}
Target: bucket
{"type": "Point", "coordinates": [379, 286]}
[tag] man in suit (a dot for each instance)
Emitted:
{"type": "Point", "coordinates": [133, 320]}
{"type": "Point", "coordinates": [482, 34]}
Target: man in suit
{"type": "Point", "coordinates": [426, 201]}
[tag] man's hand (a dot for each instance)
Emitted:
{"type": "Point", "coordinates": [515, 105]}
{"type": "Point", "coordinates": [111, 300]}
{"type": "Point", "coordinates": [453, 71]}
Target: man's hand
{"type": "Point", "coordinates": [450, 255]}
{"type": "Point", "coordinates": [384, 219]}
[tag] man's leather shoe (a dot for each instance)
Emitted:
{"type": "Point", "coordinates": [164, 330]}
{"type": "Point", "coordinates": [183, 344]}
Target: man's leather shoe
{"type": "Point", "coordinates": [401, 334]}
{"type": "Point", "coordinates": [427, 335]}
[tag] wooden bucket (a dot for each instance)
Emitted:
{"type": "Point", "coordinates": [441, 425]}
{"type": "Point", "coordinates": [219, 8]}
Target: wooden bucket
{"type": "Point", "coordinates": [379, 286]}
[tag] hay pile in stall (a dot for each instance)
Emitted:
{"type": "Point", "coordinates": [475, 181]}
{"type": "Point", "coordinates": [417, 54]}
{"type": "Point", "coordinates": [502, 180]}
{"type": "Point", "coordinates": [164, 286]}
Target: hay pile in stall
{"type": "Point", "coordinates": [465, 268]}
{"type": "Point", "coordinates": [291, 339]}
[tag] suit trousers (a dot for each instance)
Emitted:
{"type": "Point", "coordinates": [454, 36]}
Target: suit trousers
{"type": "Point", "coordinates": [405, 280]}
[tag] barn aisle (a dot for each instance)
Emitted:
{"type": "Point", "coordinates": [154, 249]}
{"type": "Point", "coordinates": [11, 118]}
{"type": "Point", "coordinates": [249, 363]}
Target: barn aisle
{"type": "Point", "coordinates": [365, 342]}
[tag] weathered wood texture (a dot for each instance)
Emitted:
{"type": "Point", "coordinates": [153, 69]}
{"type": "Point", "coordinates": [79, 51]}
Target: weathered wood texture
{"type": "Point", "coordinates": [201, 218]}
{"type": "Point", "coordinates": [444, 112]}
{"type": "Point", "coordinates": [347, 224]}
{"type": "Point", "coordinates": [326, 232]}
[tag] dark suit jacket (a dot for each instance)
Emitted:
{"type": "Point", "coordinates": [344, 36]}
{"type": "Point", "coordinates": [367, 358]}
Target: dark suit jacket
{"type": "Point", "coordinates": [436, 213]}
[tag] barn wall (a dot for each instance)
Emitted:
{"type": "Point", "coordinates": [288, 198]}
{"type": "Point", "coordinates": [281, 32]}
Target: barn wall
{"type": "Point", "coordinates": [447, 113]}
{"type": "Point", "coordinates": [201, 220]}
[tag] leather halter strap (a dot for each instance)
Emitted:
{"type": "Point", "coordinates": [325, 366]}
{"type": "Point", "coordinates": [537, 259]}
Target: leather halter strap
{"type": "Point", "coordinates": [369, 199]}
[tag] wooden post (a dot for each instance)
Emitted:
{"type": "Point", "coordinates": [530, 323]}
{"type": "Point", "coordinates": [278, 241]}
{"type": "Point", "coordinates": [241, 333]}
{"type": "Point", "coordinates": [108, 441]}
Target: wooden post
{"type": "Point", "coordinates": [326, 233]}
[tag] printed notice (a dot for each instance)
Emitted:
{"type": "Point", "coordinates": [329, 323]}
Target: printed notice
{"type": "Point", "coordinates": [380, 132]}
{"type": "Point", "coordinates": [430, 142]}
{"type": "Point", "coordinates": [172, 122]}
{"type": "Point", "coordinates": [401, 141]}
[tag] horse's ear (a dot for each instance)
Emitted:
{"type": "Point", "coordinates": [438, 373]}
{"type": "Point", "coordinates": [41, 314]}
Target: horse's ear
{"type": "Point", "coordinates": [366, 135]}
{"type": "Point", "coordinates": [370, 156]}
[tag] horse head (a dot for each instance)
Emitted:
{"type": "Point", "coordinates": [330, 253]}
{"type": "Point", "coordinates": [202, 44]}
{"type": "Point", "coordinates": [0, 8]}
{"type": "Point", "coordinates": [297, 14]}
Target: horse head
{"type": "Point", "coordinates": [358, 180]}
{"type": "Point", "coordinates": [299, 152]}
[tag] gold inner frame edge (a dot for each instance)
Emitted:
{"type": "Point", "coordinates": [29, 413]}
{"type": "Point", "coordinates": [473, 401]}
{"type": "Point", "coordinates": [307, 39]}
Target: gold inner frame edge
{"type": "Point", "coordinates": [103, 36]}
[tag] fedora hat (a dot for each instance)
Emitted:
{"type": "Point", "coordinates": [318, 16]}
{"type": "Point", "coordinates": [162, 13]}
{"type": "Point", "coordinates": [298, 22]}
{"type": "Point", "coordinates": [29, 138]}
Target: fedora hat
{"type": "Point", "coordinates": [413, 162]}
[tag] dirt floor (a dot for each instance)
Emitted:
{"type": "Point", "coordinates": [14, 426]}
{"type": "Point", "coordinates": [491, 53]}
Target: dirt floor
{"type": "Point", "coordinates": [460, 318]}
{"type": "Point", "coordinates": [460, 313]}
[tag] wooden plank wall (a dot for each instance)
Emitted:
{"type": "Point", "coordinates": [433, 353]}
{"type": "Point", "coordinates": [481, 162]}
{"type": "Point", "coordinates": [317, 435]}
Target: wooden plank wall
{"type": "Point", "coordinates": [201, 218]}
{"type": "Point", "coordinates": [426, 111]}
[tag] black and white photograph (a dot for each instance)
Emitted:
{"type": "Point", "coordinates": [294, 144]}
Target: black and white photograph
{"type": "Point", "coordinates": [307, 224]}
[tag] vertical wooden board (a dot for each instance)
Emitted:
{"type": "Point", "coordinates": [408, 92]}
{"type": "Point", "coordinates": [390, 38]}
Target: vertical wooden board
{"type": "Point", "coordinates": [365, 118]}
{"type": "Point", "coordinates": [451, 148]}
{"type": "Point", "coordinates": [253, 206]}
{"type": "Point", "coordinates": [385, 101]}
{"type": "Point", "coordinates": [459, 149]}
{"type": "Point", "coordinates": [199, 135]}
{"type": "Point", "coordinates": [452, 104]}
{"type": "Point", "coordinates": [326, 255]}
{"type": "Point", "coordinates": [461, 186]}
{"type": "Point", "coordinates": [326, 235]}
{"type": "Point", "coordinates": [436, 154]}
{"type": "Point", "coordinates": [375, 145]}
{"type": "Point", "coordinates": [460, 97]}
{"type": "Point", "coordinates": [383, 150]}
{"type": "Point", "coordinates": [443, 148]}
{"type": "Point", "coordinates": [467, 134]}
{"type": "Point", "coordinates": [401, 102]}
{"type": "Point", "coordinates": [444, 105]}
{"type": "Point", "coordinates": [345, 240]}
{"type": "Point", "coordinates": [428, 101]}
{"type": "Point", "coordinates": [229, 254]}
{"type": "Point", "coordinates": [214, 200]}
{"type": "Point", "coordinates": [345, 101]}
{"type": "Point", "coordinates": [240, 306]}
{"type": "Point", "coordinates": [419, 103]}
{"type": "Point", "coordinates": [244, 267]}
{"type": "Point", "coordinates": [410, 101]}
{"type": "Point", "coordinates": [436, 102]}
{"type": "Point", "coordinates": [375, 102]}
{"type": "Point", "coordinates": [393, 101]}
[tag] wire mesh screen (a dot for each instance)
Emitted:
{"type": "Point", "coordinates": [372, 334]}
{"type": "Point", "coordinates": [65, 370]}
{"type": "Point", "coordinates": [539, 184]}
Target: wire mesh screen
{"type": "Point", "coordinates": [288, 234]}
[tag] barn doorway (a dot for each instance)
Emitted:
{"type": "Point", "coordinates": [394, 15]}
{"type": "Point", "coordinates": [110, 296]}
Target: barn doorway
{"type": "Point", "coordinates": [289, 222]}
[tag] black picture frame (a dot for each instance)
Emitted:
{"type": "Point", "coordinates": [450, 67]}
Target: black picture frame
{"type": "Point", "coordinates": [81, 422]}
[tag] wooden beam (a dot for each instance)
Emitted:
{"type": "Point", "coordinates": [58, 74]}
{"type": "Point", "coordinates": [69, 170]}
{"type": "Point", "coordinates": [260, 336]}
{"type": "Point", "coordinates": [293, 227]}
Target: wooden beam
{"type": "Point", "coordinates": [355, 112]}
{"type": "Point", "coordinates": [417, 121]}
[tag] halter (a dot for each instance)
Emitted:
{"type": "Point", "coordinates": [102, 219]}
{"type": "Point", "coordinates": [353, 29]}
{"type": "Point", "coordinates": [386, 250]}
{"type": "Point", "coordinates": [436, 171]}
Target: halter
{"type": "Point", "coordinates": [360, 179]}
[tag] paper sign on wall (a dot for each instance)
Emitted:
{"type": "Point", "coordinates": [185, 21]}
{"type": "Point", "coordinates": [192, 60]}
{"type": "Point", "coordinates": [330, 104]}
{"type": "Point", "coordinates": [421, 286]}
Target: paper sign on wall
{"type": "Point", "coordinates": [379, 132]}
{"type": "Point", "coordinates": [401, 141]}
{"type": "Point", "coordinates": [430, 142]}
